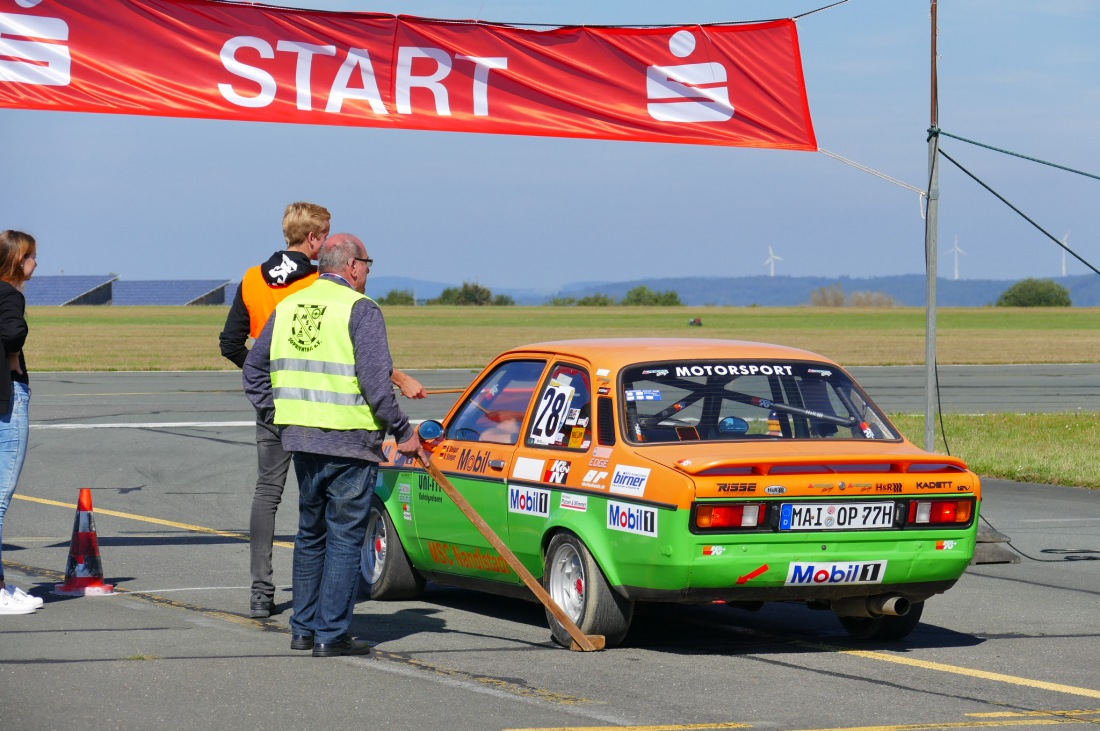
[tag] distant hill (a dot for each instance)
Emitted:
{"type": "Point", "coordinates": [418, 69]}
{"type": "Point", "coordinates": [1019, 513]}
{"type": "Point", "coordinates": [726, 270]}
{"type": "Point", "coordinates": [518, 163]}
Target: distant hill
{"type": "Point", "coordinates": [908, 290]}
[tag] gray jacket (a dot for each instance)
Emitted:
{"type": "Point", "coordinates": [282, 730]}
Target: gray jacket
{"type": "Point", "coordinates": [373, 368]}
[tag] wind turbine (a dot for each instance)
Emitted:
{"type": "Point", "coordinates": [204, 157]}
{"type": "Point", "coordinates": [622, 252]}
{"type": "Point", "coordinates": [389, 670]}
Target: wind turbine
{"type": "Point", "coordinates": [1065, 242]}
{"type": "Point", "coordinates": [956, 251]}
{"type": "Point", "coordinates": [771, 260]}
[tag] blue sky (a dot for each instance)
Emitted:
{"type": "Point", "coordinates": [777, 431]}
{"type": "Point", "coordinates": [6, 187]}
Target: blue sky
{"type": "Point", "coordinates": [151, 198]}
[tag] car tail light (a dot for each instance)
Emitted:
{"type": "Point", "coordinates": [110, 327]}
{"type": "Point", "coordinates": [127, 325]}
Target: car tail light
{"type": "Point", "coordinates": [941, 512]}
{"type": "Point", "coordinates": [740, 515]}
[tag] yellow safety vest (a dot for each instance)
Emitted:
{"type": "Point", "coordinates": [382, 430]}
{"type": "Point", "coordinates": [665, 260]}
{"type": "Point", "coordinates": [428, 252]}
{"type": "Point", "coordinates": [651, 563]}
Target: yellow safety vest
{"type": "Point", "coordinates": [313, 361]}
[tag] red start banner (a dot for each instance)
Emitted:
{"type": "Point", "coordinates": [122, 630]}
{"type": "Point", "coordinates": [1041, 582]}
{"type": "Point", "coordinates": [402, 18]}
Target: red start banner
{"type": "Point", "coordinates": [703, 84]}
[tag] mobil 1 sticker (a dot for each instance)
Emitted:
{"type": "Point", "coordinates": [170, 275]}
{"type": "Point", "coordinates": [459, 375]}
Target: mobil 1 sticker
{"type": "Point", "coordinates": [632, 518]}
{"type": "Point", "coordinates": [835, 574]}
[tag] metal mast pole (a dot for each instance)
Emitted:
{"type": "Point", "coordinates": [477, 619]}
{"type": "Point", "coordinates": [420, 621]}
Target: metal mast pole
{"type": "Point", "coordinates": [931, 242]}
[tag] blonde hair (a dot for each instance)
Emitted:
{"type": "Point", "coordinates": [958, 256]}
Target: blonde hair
{"type": "Point", "coordinates": [301, 218]}
{"type": "Point", "coordinates": [15, 247]}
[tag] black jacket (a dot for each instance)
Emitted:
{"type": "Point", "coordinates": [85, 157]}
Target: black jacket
{"type": "Point", "coordinates": [13, 334]}
{"type": "Point", "coordinates": [277, 272]}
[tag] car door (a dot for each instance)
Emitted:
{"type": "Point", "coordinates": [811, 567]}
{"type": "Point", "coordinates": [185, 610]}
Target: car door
{"type": "Point", "coordinates": [476, 454]}
{"type": "Point", "coordinates": [557, 439]}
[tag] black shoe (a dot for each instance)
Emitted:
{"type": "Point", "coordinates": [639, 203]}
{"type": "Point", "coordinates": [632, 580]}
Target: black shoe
{"type": "Point", "coordinates": [344, 646]}
{"type": "Point", "coordinates": [301, 642]}
{"type": "Point", "coordinates": [263, 607]}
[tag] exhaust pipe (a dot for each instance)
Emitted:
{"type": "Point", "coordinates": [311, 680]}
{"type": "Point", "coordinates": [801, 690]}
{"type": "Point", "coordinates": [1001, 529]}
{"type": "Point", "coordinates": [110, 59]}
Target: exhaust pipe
{"type": "Point", "coordinates": [893, 605]}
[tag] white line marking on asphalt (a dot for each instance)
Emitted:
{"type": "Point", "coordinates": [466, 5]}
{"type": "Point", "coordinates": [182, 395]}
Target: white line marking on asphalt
{"type": "Point", "coordinates": [148, 425]}
{"type": "Point", "coordinates": [160, 425]}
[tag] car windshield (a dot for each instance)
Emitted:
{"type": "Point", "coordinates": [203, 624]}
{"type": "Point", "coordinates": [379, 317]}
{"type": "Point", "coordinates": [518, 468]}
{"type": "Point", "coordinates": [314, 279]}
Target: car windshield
{"type": "Point", "coordinates": [746, 400]}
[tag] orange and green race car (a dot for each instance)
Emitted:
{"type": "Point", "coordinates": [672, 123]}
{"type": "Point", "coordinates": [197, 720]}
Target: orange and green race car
{"type": "Point", "coordinates": [677, 470]}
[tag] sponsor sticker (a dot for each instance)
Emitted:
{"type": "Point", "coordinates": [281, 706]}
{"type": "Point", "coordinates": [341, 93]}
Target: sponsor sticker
{"type": "Point", "coordinates": [835, 574]}
{"type": "Point", "coordinates": [946, 545]}
{"type": "Point", "coordinates": [603, 372]}
{"type": "Point", "coordinates": [713, 550]}
{"type": "Point", "coordinates": [557, 472]}
{"type": "Point", "coordinates": [632, 518]}
{"type": "Point", "coordinates": [643, 394]}
{"type": "Point", "coordinates": [526, 468]}
{"type": "Point", "coordinates": [594, 479]}
{"type": "Point", "coordinates": [629, 480]}
{"type": "Point", "coordinates": [601, 452]}
{"type": "Point", "coordinates": [576, 437]}
{"type": "Point", "coordinates": [529, 501]}
{"type": "Point", "coordinates": [575, 502]}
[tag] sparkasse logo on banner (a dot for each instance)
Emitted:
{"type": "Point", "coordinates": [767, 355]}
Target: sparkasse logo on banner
{"type": "Point", "coordinates": [715, 84]}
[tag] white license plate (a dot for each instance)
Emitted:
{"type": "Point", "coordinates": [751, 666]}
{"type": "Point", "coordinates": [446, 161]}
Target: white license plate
{"type": "Point", "coordinates": [836, 516]}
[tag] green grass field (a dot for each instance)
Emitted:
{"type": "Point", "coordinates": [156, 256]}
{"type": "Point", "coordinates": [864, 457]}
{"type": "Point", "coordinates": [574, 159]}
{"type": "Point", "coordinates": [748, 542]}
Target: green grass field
{"type": "Point", "coordinates": [1046, 448]}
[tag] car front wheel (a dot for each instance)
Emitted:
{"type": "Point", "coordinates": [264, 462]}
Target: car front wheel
{"type": "Point", "coordinates": [577, 585]}
{"type": "Point", "coordinates": [387, 571]}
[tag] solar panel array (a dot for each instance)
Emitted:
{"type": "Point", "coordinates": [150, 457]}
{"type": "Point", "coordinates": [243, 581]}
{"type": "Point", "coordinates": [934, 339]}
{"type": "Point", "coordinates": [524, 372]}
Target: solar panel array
{"type": "Point", "coordinates": [169, 292]}
{"type": "Point", "coordinates": [84, 290]}
{"type": "Point", "coordinates": [109, 289]}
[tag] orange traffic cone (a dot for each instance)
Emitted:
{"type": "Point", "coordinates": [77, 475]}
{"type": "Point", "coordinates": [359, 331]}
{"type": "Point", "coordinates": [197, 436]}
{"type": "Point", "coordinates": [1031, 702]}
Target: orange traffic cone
{"type": "Point", "coordinates": [84, 572]}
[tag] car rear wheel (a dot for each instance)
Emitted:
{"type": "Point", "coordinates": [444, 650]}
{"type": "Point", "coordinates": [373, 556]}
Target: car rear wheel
{"type": "Point", "coordinates": [387, 571]}
{"type": "Point", "coordinates": [886, 627]}
{"type": "Point", "coordinates": [575, 582]}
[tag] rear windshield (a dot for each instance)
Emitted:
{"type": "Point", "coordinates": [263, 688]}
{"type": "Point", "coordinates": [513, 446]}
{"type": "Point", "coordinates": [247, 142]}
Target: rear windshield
{"type": "Point", "coordinates": [744, 400]}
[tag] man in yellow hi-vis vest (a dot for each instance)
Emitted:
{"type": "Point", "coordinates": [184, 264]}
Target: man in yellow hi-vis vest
{"type": "Point", "coordinates": [321, 368]}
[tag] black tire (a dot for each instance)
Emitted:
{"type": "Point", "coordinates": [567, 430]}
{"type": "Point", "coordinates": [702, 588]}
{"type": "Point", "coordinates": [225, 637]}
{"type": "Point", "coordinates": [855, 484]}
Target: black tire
{"type": "Point", "coordinates": [387, 571]}
{"type": "Point", "coordinates": [885, 628]}
{"type": "Point", "coordinates": [576, 583]}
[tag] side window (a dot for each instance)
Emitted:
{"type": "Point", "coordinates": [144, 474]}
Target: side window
{"type": "Point", "coordinates": [495, 411]}
{"type": "Point", "coordinates": [561, 415]}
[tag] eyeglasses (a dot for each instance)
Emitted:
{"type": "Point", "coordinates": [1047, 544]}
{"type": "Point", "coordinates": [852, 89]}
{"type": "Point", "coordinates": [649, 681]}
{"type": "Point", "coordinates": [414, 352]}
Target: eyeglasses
{"type": "Point", "coordinates": [368, 262]}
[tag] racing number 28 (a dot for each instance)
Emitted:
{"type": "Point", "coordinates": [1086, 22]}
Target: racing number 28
{"type": "Point", "coordinates": [551, 412]}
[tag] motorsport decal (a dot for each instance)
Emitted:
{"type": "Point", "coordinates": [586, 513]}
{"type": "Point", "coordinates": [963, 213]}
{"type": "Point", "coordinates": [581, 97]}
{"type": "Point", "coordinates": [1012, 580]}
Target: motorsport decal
{"type": "Point", "coordinates": [529, 501]}
{"type": "Point", "coordinates": [470, 460]}
{"type": "Point", "coordinates": [629, 480]}
{"type": "Point", "coordinates": [557, 471]}
{"type": "Point", "coordinates": [643, 394]}
{"type": "Point", "coordinates": [526, 468]}
{"type": "Point", "coordinates": [832, 574]}
{"type": "Point", "coordinates": [448, 554]}
{"type": "Point", "coordinates": [632, 518]}
{"type": "Point", "coordinates": [427, 490]}
{"type": "Point", "coordinates": [404, 495]}
{"type": "Point", "coordinates": [735, 369]}
{"type": "Point", "coordinates": [594, 479]}
{"type": "Point", "coordinates": [574, 502]}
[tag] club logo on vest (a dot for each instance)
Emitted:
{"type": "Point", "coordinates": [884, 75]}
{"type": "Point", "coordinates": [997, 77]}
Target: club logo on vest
{"type": "Point", "coordinates": [306, 328]}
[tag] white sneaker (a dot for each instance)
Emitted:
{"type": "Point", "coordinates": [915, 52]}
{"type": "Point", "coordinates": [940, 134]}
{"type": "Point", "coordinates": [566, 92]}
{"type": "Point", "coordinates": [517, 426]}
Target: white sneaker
{"type": "Point", "coordinates": [21, 596]}
{"type": "Point", "coordinates": [10, 605]}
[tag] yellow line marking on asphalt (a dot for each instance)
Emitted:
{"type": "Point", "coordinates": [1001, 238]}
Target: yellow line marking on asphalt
{"type": "Point", "coordinates": [157, 521]}
{"type": "Point", "coordinates": [971, 672]}
{"type": "Point", "coordinates": [268, 625]}
{"type": "Point", "coordinates": [659, 727]}
{"type": "Point", "coordinates": [1019, 714]}
{"type": "Point", "coordinates": [1061, 718]}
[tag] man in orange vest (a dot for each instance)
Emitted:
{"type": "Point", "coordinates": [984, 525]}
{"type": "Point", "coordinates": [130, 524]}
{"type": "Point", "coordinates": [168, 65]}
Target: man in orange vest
{"type": "Point", "coordinates": [305, 227]}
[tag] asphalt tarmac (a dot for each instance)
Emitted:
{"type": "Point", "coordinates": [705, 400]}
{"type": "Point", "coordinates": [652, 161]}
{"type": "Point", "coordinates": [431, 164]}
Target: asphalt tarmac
{"type": "Point", "coordinates": [170, 461]}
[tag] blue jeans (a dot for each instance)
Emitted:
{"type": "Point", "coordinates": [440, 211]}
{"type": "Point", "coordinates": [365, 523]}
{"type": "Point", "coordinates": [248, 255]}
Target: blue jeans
{"type": "Point", "coordinates": [14, 434]}
{"type": "Point", "coordinates": [334, 495]}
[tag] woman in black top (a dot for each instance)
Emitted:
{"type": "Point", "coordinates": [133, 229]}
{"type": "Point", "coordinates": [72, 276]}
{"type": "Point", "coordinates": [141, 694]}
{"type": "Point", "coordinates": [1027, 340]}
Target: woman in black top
{"type": "Point", "coordinates": [17, 263]}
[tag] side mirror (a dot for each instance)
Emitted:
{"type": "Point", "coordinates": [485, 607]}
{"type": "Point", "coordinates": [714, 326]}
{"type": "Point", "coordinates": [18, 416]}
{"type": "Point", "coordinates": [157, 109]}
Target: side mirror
{"type": "Point", "coordinates": [429, 431]}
